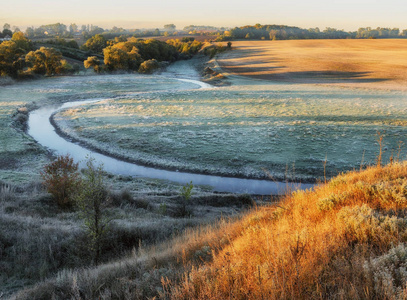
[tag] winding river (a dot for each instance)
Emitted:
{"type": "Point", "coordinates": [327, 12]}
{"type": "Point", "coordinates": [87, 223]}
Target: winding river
{"type": "Point", "coordinates": [44, 133]}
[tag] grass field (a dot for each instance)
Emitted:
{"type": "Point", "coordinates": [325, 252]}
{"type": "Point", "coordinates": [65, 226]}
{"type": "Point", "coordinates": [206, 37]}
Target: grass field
{"type": "Point", "coordinates": [373, 64]}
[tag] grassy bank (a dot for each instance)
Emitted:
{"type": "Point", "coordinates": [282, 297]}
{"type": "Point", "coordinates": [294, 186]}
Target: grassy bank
{"type": "Point", "coordinates": [51, 239]}
{"type": "Point", "coordinates": [343, 240]}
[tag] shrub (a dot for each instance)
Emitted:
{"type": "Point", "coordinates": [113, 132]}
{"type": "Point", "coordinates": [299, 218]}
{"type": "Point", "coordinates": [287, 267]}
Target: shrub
{"type": "Point", "coordinates": [149, 66]}
{"type": "Point", "coordinates": [330, 202]}
{"type": "Point", "coordinates": [389, 273]}
{"type": "Point", "coordinates": [93, 62]}
{"type": "Point", "coordinates": [185, 193]}
{"type": "Point", "coordinates": [364, 225]}
{"type": "Point", "coordinates": [61, 178]}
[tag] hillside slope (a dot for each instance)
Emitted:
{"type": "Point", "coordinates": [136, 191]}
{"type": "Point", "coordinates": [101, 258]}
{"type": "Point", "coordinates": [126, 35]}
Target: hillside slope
{"type": "Point", "coordinates": [342, 240]}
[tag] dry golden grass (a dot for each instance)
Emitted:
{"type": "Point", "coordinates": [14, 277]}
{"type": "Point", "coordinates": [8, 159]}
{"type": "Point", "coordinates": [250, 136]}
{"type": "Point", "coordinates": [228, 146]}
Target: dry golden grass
{"type": "Point", "coordinates": [327, 243]}
{"type": "Point", "coordinates": [353, 63]}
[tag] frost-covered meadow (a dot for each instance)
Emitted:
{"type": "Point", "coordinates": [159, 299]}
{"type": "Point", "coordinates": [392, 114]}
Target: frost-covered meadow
{"type": "Point", "coordinates": [254, 129]}
{"type": "Point", "coordinates": [21, 158]}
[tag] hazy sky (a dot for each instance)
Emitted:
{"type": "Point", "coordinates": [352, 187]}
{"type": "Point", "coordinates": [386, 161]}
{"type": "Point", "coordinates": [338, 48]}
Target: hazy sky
{"type": "Point", "coordinates": [340, 14]}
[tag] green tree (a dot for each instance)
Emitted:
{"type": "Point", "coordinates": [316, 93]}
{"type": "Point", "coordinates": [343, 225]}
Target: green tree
{"type": "Point", "coordinates": [95, 44]}
{"type": "Point", "coordinates": [92, 62]}
{"type": "Point", "coordinates": [185, 194]}
{"type": "Point", "coordinates": [7, 32]}
{"type": "Point", "coordinates": [92, 200]}
{"type": "Point", "coordinates": [61, 178]}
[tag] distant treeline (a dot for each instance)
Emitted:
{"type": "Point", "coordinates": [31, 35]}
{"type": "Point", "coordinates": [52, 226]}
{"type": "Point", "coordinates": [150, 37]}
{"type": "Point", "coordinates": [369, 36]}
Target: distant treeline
{"type": "Point", "coordinates": [254, 32]}
{"type": "Point", "coordinates": [59, 30]}
{"type": "Point", "coordinates": [283, 32]}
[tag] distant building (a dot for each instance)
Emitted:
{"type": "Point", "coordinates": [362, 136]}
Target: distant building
{"type": "Point", "coordinates": [6, 38]}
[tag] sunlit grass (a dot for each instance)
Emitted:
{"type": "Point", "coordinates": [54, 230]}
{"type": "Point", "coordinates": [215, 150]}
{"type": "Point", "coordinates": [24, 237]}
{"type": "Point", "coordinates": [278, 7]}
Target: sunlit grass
{"type": "Point", "coordinates": [304, 249]}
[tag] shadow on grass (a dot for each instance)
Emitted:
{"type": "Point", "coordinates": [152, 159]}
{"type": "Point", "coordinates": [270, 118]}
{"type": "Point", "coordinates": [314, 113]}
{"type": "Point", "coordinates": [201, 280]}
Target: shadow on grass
{"type": "Point", "coordinates": [304, 77]}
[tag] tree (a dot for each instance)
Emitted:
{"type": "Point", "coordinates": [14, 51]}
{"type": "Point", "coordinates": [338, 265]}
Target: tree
{"type": "Point", "coordinates": [185, 194]}
{"type": "Point", "coordinates": [115, 58]}
{"type": "Point", "coordinates": [7, 32]}
{"type": "Point", "coordinates": [149, 66]}
{"type": "Point", "coordinates": [11, 59]}
{"type": "Point", "coordinates": [45, 61]}
{"type": "Point", "coordinates": [6, 26]}
{"type": "Point", "coordinates": [21, 41]}
{"type": "Point", "coordinates": [92, 200]}
{"type": "Point", "coordinates": [170, 27]}
{"type": "Point", "coordinates": [92, 62]}
{"type": "Point", "coordinates": [30, 32]}
{"type": "Point", "coordinates": [61, 178]}
{"type": "Point", "coordinates": [12, 55]}
{"type": "Point", "coordinates": [55, 29]}
{"type": "Point", "coordinates": [73, 28]}
{"type": "Point", "coordinates": [95, 44]}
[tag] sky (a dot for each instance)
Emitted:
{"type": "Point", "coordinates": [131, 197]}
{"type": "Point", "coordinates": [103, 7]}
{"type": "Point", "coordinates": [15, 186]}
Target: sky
{"type": "Point", "coordinates": [341, 14]}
